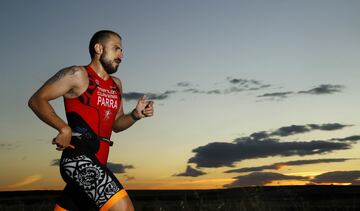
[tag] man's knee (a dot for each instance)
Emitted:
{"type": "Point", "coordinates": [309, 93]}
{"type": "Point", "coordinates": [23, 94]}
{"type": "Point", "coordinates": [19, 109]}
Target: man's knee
{"type": "Point", "coordinates": [59, 208]}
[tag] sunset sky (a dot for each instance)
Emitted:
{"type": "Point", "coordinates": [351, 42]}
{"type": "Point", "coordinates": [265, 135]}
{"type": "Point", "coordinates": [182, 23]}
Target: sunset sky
{"type": "Point", "coordinates": [246, 92]}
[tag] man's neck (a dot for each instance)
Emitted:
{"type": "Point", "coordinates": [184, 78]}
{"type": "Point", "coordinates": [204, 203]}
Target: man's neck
{"type": "Point", "coordinates": [99, 69]}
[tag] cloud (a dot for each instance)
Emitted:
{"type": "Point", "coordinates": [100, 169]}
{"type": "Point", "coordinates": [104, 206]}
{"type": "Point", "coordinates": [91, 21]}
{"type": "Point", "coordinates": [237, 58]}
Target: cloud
{"type": "Point", "coordinates": [191, 172]}
{"type": "Point", "coordinates": [118, 168]}
{"type": "Point", "coordinates": [218, 154]}
{"type": "Point", "coordinates": [183, 84]}
{"type": "Point", "coordinates": [277, 166]}
{"type": "Point", "coordinates": [276, 95]}
{"type": "Point", "coordinates": [349, 138]}
{"type": "Point", "coordinates": [234, 90]}
{"type": "Point", "coordinates": [319, 90]}
{"type": "Point", "coordinates": [323, 89]}
{"type": "Point", "coordinates": [7, 146]}
{"type": "Point", "coordinates": [264, 144]}
{"type": "Point", "coordinates": [132, 95]}
{"type": "Point", "coordinates": [291, 130]}
{"type": "Point", "coordinates": [26, 181]}
{"type": "Point", "coordinates": [261, 178]}
{"type": "Point", "coordinates": [241, 84]}
{"type": "Point", "coordinates": [214, 91]}
{"type": "Point", "coordinates": [194, 91]}
{"type": "Point", "coordinates": [236, 85]}
{"type": "Point", "coordinates": [338, 177]}
{"type": "Point", "coordinates": [329, 126]}
{"type": "Point", "coordinates": [165, 95]}
{"type": "Point", "coordinates": [240, 81]}
{"type": "Point", "coordinates": [198, 91]}
{"type": "Point", "coordinates": [55, 162]}
{"type": "Point", "coordinates": [297, 129]}
{"type": "Point", "coordinates": [151, 96]}
{"type": "Point", "coordinates": [257, 136]}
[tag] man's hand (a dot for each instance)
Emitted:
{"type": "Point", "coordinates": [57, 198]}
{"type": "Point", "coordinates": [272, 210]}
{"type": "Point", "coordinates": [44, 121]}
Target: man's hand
{"type": "Point", "coordinates": [63, 139]}
{"type": "Point", "coordinates": [144, 108]}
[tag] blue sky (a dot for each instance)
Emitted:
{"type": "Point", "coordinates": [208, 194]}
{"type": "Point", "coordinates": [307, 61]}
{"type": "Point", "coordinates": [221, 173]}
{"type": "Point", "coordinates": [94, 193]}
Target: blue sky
{"type": "Point", "coordinates": [219, 71]}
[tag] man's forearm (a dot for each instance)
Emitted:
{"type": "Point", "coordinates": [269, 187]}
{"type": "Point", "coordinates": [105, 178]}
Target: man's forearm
{"type": "Point", "coordinates": [46, 113]}
{"type": "Point", "coordinates": [124, 122]}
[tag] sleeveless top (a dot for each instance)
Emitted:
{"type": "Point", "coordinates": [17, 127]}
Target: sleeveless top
{"type": "Point", "coordinates": [92, 114]}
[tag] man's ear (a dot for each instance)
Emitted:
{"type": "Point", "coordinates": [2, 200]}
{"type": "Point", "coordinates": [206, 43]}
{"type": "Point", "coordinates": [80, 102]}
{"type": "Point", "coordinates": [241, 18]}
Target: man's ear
{"type": "Point", "coordinates": [98, 48]}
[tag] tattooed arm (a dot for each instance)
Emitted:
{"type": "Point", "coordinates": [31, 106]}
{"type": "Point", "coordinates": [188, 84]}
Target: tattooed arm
{"type": "Point", "coordinates": [68, 82]}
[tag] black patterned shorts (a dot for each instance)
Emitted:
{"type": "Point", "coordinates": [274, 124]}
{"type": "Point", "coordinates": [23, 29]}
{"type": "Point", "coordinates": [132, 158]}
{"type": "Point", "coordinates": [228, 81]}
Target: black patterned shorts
{"type": "Point", "coordinates": [89, 183]}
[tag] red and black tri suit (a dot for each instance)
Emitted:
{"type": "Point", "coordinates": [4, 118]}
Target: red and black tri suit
{"type": "Point", "coordinates": [91, 117]}
{"type": "Point", "coordinates": [92, 114]}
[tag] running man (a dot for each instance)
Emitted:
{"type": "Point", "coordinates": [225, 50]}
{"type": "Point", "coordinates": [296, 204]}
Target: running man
{"type": "Point", "coordinates": [94, 109]}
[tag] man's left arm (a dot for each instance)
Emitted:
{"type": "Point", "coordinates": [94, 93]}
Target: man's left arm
{"type": "Point", "coordinates": [144, 108]}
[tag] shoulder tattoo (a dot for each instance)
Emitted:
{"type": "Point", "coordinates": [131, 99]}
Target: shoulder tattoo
{"type": "Point", "coordinates": [62, 73]}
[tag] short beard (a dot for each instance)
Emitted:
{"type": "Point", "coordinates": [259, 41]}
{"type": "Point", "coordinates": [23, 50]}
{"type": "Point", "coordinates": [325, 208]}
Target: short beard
{"type": "Point", "coordinates": [107, 65]}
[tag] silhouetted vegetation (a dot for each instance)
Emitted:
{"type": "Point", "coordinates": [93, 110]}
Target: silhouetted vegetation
{"type": "Point", "coordinates": [244, 199]}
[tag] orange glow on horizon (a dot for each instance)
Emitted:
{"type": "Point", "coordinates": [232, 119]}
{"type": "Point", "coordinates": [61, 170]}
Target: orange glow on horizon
{"type": "Point", "coordinates": [287, 183]}
{"type": "Point", "coordinates": [204, 184]}
{"type": "Point", "coordinates": [300, 183]}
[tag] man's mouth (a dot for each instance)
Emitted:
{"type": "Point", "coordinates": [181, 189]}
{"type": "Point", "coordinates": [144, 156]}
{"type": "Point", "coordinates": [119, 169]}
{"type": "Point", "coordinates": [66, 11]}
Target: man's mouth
{"type": "Point", "coordinates": [118, 61]}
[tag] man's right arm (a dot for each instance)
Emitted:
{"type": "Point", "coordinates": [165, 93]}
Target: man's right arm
{"type": "Point", "coordinates": [63, 83]}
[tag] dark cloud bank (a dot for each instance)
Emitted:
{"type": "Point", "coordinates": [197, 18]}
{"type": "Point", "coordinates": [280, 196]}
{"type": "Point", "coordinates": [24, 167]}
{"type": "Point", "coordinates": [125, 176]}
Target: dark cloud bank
{"type": "Point", "coordinates": [263, 178]}
{"type": "Point", "coordinates": [351, 177]}
{"type": "Point", "coordinates": [265, 144]}
{"type": "Point", "coordinates": [219, 154]}
{"type": "Point", "coordinates": [277, 166]}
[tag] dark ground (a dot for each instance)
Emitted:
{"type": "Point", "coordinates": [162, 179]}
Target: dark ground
{"type": "Point", "coordinates": [292, 198]}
